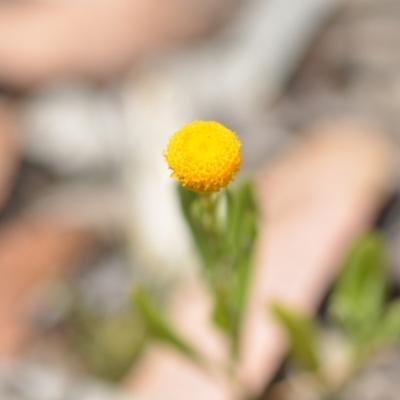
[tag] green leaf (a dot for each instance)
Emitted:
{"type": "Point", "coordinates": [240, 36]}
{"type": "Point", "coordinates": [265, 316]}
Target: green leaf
{"type": "Point", "coordinates": [240, 283]}
{"type": "Point", "coordinates": [160, 328]}
{"type": "Point", "coordinates": [388, 331]}
{"type": "Point", "coordinates": [302, 334]}
{"type": "Point", "coordinates": [238, 234]}
{"type": "Point", "coordinates": [240, 205]}
{"type": "Point", "coordinates": [244, 240]}
{"type": "Point", "coordinates": [187, 200]}
{"type": "Point", "coordinates": [357, 301]}
{"type": "Point", "coordinates": [222, 313]}
{"type": "Point", "coordinates": [239, 290]}
{"type": "Point", "coordinates": [191, 209]}
{"type": "Point", "coordinates": [94, 338]}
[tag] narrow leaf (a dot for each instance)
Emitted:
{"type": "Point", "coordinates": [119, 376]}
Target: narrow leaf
{"type": "Point", "coordinates": [388, 330]}
{"type": "Point", "coordinates": [302, 335]}
{"type": "Point", "coordinates": [188, 200]}
{"type": "Point", "coordinates": [160, 328]}
{"type": "Point", "coordinates": [358, 298]}
{"type": "Point", "coordinates": [240, 202]}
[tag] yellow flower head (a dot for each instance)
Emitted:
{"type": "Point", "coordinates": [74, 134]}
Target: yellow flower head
{"type": "Point", "coordinates": [204, 156]}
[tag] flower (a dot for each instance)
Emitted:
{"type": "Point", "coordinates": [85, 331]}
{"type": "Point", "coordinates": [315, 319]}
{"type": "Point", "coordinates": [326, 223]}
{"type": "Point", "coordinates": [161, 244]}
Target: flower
{"type": "Point", "coordinates": [204, 156]}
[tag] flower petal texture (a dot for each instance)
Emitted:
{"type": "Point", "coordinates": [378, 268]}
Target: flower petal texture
{"type": "Point", "coordinates": [204, 156]}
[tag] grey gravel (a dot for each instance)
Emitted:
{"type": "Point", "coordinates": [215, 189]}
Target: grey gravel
{"type": "Point", "coordinates": [29, 381]}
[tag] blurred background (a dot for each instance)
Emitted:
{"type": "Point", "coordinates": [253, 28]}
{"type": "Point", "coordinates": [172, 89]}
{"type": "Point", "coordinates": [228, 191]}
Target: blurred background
{"type": "Point", "coordinates": [90, 92]}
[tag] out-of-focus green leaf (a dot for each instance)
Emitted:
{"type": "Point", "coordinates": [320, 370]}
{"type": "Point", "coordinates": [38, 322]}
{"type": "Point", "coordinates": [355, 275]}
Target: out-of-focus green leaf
{"type": "Point", "coordinates": [160, 328]}
{"type": "Point", "coordinates": [230, 300]}
{"type": "Point", "coordinates": [222, 313]}
{"type": "Point", "coordinates": [202, 228]}
{"type": "Point", "coordinates": [302, 335]}
{"type": "Point", "coordinates": [240, 283]}
{"type": "Point", "coordinates": [240, 204]}
{"type": "Point", "coordinates": [239, 290]}
{"type": "Point", "coordinates": [188, 201]}
{"type": "Point", "coordinates": [388, 331]}
{"type": "Point", "coordinates": [239, 237]}
{"type": "Point", "coordinates": [357, 301]}
{"type": "Point", "coordinates": [108, 346]}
